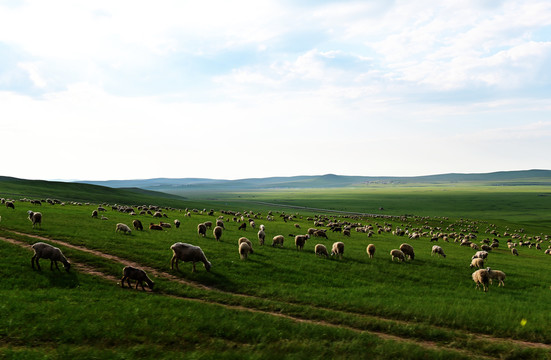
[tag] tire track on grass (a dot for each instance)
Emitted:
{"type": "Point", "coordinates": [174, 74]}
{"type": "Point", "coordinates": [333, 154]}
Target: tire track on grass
{"type": "Point", "coordinates": [196, 285]}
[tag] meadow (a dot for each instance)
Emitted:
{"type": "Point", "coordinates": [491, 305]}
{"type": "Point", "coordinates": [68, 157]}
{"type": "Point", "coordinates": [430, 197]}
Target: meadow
{"type": "Point", "coordinates": [280, 302]}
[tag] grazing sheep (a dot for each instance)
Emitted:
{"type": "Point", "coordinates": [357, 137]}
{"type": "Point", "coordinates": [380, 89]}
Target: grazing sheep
{"type": "Point", "coordinates": [407, 249]}
{"type": "Point", "coordinates": [278, 240]}
{"type": "Point", "coordinates": [243, 226]}
{"type": "Point", "coordinates": [437, 250]}
{"type": "Point", "coordinates": [370, 250]}
{"type": "Point", "coordinates": [244, 250]}
{"type": "Point", "coordinates": [187, 253]}
{"type": "Point", "coordinates": [104, 218]}
{"type": "Point", "coordinates": [217, 232]}
{"type": "Point", "coordinates": [47, 251]}
{"type": "Point", "coordinates": [297, 226]}
{"type": "Point", "coordinates": [320, 233]}
{"type": "Point", "coordinates": [10, 205]}
{"type": "Point", "coordinates": [397, 254]}
{"type": "Point", "coordinates": [481, 277]}
{"type": "Point", "coordinates": [35, 218]}
{"type": "Point", "coordinates": [300, 240]}
{"type": "Point", "coordinates": [514, 251]}
{"type": "Point", "coordinates": [137, 224]}
{"type": "Point", "coordinates": [477, 263]}
{"type": "Point", "coordinates": [547, 252]}
{"type": "Point", "coordinates": [245, 240]}
{"type": "Point", "coordinates": [220, 223]}
{"type": "Point", "coordinates": [262, 227]}
{"type": "Point", "coordinates": [155, 227]}
{"type": "Point", "coordinates": [165, 225]}
{"type": "Point", "coordinates": [346, 232]}
{"type": "Point", "coordinates": [202, 230]}
{"type": "Point", "coordinates": [261, 237]}
{"type": "Point", "coordinates": [338, 249]}
{"type": "Point", "coordinates": [480, 254]}
{"type": "Point", "coordinates": [176, 223]}
{"type": "Point", "coordinates": [95, 214]}
{"type": "Point", "coordinates": [321, 250]}
{"type": "Point", "coordinates": [123, 227]}
{"type": "Point", "coordinates": [496, 274]}
{"type": "Point", "coordinates": [139, 275]}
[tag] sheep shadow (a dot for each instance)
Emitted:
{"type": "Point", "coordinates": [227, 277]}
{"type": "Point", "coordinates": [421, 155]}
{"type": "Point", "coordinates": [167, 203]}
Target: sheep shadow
{"type": "Point", "coordinates": [60, 279]}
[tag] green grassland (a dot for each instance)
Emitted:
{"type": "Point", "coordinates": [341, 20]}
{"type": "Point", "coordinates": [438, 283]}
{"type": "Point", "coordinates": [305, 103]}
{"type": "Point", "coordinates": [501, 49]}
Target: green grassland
{"type": "Point", "coordinates": [343, 302]}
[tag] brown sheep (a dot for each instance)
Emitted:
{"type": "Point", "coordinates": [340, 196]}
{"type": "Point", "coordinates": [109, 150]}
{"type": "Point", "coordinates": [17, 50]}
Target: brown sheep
{"type": "Point", "coordinates": [370, 250]}
{"type": "Point", "coordinates": [217, 232]}
{"type": "Point", "coordinates": [338, 249]}
{"type": "Point", "coordinates": [201, 230]}
{"type": "Point", "coordinates": [139, 275]}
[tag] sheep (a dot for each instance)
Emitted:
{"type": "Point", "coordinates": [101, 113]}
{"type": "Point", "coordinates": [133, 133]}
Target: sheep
{"type": "Point", "coordinates": [496, 274]}
{"type": "Point", "coordinates": [177, 223]}
{"type": "Point", "coordinates": [547, 252]}
{"type": "Point", "coordinates": [370, 250]}
{"type": "Point", "coordinates": [477, 263]}
{"type": "Point", "coordinates": [243, 226]}
{"type": "Point", "coordinates": [208, 224]}
{"type": "Point", "coordinates": [300, 240]}
{"type": "Point", "coordinates": [35, 218]}
{"type": "Point", "coordinates": [514, 251]}
{"type": "Point", "coordinates": [155, 227]}
{"type": "Point", "coordinates": [220, 223]}
{"type": "Point", "coordinates": [123, 227]}
{"type": "Point", "coordinates": [244, 250]}
{"type": "Point", "coordinates": [202, 230]}
{"type": "Point", "coordinates": [278, 240]}
{"type": "Point", "coordinates": [139, 275]}
{"type": "Point", "coordinates": [437, 250]}
{"type": "Point", "coordinates": [407, 249]}
{"type": "Point", "coordinates": [346, 233]}
{"type": "Point", "coordinates": [397, 254]}
{"type": "Point", "coordinates": [95, 214]}
{"type": "Point", "coordinates": [186, 253]}
{"type": "Point", "coordinates": [217, 232]}
{"type": "Point", "coordinates": [320, 233]}
{"type": "Point", "coordinates": [47, 251]}
{"type": "Point", "coordinates": [321, 250]}
{"type": "Point", "coordinates": [165, 225]}
{"type": "Point", "coordinates": [137, 224]}
{"type": "Point", "coordinates": [245, 240]}
{"type": "Point", "coordinates": [252, 224]}
{"type": "Point", "coordinates": [297, 226]}
{"type": "Point", "coordinates": [10, 205]}
{"type": "Point", "coordinates": [261, 237]}
{"type": "Point", "coordinates": [104, 218]}
{"type": "Point", "coordinates": [262, 227]}
{"type": "Point", "coordinates": [480, 254]}
{"type": "Point", "coordinates": [338, 249]}
{"type": "Point", "coordinates": [481, 277]}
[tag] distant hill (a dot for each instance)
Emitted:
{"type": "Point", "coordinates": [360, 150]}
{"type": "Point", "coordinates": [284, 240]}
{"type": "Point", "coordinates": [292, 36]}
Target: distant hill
{"type": "Point", "coordinates": [180, 186]}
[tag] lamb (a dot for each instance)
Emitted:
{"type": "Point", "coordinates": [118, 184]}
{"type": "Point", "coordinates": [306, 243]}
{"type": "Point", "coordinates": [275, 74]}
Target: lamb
{"type": "Point", "coordinates": [407, 249]}
{"type": "Point", "coordinates": [397, 254]}
{"type": "Point", "coordinates": [139, 275]}
{"type": "Point", "coordinates": [186, 253]}
{"type": "Point", "coordinates": [47, 251]}
{"type": "Point", "coordinates": [245, 240]}
{"type": "Point", "coordinates": [496, 274]}
{"type": "Point", "coordinates": [300, 240]}
{"type": "Point", "coordinates": [35, 218]}
{"type": "Point", "coordinates": [176, 223]}
{"type": "Point", "coordinates": [202, 230]}
{"type": "Point", "coordinates": [481, 277]}
{"type": "Point", "coordinates": [123, 227]}
{"type": "Point", "coordinates": [370, 250]}
{"type": "Point", "coordinates": [514, 251]}
{"type": "Point", "coordinates": [278, 240]}
{"type": "Point", "coordinates": [338, 249]}
{"type": "Point", "coordinates": [137, 224]}
{"type": "Point", "coordinates": [244, 250]}
{"type": "Point", "coordinates": [477, 263]}
{"type": "Point", "coordinates": [217, 232]}
{"type": "Point", "coordinates": [321, 250]}
{"type": "Point", "coordinates": [261, 237]}
{"type": "Point", "coordinates": [155, 227]}
{"type": "Point", "coordinates": [437, 250]}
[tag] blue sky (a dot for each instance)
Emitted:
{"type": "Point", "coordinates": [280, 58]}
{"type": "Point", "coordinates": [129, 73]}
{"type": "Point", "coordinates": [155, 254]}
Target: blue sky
{"type": "Point", "coordinates": [135, 89]}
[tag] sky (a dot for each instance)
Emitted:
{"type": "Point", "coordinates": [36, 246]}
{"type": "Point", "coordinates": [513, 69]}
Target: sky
{"type": "Point", "coordinates": [100, 90]}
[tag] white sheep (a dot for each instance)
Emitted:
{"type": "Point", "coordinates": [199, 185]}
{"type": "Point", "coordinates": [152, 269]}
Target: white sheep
{"type": "Point", "coordinates": [496, 274]}
{"type": "Point", "coordinates": [278, 240]}
{"type": "Point", "coordinates": [437, 250]}
{"type": "Point", "coordinates": [514, 251]}
{"type": "Point", "coordinates": [370, 250]}
{"type": "Point", "coordinates": [202, 230]}
{"type": "Point", "coordinates": [261, 237]}
{"type": "Point", "coordinates": [177, 223]}
{"type": "Point", "coordinates": [477, 263]}
{"type": "Point", "coordinates": [481, 277]}
{"type": "Point", "coordinates": [47, 251]}
{"type": "Point", "coordinates": [217, 232]}
{"type": "Point", "coordinates": [338, 249]}
{"type": "Point", "coordinates": [300, 240]}
{"type": "Point", "coordinates": [245, 240]}
{"type": "Point", "coordinates": [480, 255]}
{"type": "Point", "coordinates": [139, 275]}
{"type": "Point", "coordinates": [408, 251]}
{"type": "Point", "coordinates": [123, 227]}
{"type": "Point", "coordinates": [187, 253]}
{"type": "Point", "coordinates": [35, 218]}
{"type": "Point", "coordinates": [261, 227]}
{"type": "Point", "coordinates": [397, 254]}
{"type": "Point", "coordinates": [244, 250]}
{"type": "Point", "coordinates": [321, 250]}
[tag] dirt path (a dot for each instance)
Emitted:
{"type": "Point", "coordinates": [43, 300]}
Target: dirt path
{"type": "Point", "coordinates": [427, 344]}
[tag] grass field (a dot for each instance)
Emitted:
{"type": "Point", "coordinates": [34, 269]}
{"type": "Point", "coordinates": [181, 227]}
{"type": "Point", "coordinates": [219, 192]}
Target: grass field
{"type": "Point", "coordinates": [280, 302]}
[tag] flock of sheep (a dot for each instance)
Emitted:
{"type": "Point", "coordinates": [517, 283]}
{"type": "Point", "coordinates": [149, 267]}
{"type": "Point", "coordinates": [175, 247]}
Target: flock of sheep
{"type": "Point", "coordinates": [190, 253]}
